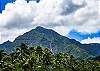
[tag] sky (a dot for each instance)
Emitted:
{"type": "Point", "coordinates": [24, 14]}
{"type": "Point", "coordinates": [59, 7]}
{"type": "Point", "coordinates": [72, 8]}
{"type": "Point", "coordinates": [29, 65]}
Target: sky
{"type": "Point", "coordinates": [76, 19]}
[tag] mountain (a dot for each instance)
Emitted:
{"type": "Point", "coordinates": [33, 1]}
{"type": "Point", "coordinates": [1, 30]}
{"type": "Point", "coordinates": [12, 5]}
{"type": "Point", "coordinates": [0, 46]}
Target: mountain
{"type": "Point", "coordinates": [93, 47]}
{"type": "Point", "coordinates": [7, 46]}
{"type": "Point", "coordinates": [96, 58]}
{"type": "Point", "coordinates": [57, 43]}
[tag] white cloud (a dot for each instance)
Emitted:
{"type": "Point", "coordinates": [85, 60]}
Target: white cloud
{"type": "Point", "coordinates": [55, 14]}
{"type": "Point", "coordinates": [21, 15]}
{"type": "Point", "coordinates": [89, 40]}
{"type": "Point", "coordinates": [78, 2]}
{"type": "Point", "coordinates": [10, 34]}
{"type": "Point", "coordinates": [88, 18]}
{"type": "Point", "coordinates": [61, 30]}
{"type": "Point", "coordinates": [17, 15]}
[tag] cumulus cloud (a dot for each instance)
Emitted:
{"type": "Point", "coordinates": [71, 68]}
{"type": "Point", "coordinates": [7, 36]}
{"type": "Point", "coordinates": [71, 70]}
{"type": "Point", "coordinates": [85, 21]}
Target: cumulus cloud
{"type": "Point", "coordinates": [54, 14]}
{"type": "Point", "coordinates": [17, 15]}
{"type": "Point", "coordinates": [91, 40]}
{"type": "Point", "coordinates": [10, 34]}
{"type": "Point", "coordinates": [87, 18]}
{"type": "Point", "coordinates": [48, 13]}
{"type": "Point", "coordinates": [78, 2]}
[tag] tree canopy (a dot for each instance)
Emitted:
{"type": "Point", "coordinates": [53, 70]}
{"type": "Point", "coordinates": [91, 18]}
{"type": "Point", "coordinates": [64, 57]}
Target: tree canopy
{"type": "Point", "coordinates": [43, 59]}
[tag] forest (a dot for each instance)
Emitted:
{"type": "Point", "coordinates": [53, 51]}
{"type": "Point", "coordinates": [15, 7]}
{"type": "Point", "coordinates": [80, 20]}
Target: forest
{"type": "Point", "coordinates": [43, 59]}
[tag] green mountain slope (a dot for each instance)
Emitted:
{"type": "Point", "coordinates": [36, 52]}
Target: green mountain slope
{"type": "Point", "coordinates": [51, 39]}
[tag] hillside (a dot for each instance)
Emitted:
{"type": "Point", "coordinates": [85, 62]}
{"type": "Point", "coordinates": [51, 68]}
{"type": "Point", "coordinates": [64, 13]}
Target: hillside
{"type": "Point", "coordinates": [57, 43]}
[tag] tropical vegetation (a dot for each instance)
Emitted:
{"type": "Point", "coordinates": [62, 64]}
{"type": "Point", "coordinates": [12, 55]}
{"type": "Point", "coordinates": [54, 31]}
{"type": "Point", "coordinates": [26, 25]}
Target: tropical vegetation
{"type": "Point", "coordinates": [43, 59]}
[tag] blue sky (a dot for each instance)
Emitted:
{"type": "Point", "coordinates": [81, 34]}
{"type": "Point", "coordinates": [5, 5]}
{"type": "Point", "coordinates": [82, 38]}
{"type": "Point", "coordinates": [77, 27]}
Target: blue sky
{"type": "Point", "coordinates": [3, 3]}
{"type": "Point", "coordinates": [85, 26]}
{"type": "Point", "coordinates": [79, 36]}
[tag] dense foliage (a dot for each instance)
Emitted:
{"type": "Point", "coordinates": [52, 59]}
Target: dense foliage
{"type": "Point", "coordinates": [42, 59]}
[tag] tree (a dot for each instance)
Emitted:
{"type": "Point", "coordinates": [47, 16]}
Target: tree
{"type": "Point", "coordinates": [48, 59]}
{"type": "Point", "coordinates": [2, 54]}
{"type": "Point", "coordinates": [42, 59]}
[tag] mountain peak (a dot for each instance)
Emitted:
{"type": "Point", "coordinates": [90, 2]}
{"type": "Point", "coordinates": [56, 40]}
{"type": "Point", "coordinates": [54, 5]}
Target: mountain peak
{"type": "Point", "coordinates": [39, 27]}
{"type": "Point", "coordinates": [8, 41]}
{"type": "Point", "coordinates": [7, 46]}
{"type": "Point", "coordinates": [46, 31]}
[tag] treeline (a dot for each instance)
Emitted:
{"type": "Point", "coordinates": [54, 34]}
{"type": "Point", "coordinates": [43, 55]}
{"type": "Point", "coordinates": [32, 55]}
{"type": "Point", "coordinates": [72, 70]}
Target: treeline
{"type": "Point", "coordinates": [42, 59]}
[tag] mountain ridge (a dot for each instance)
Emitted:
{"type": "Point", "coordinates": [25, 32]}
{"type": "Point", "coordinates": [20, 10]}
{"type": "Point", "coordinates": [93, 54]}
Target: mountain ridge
{"type": "Point", "coordinates": [41, 36]}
